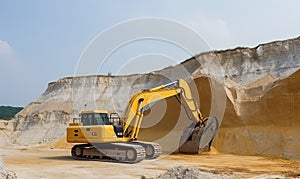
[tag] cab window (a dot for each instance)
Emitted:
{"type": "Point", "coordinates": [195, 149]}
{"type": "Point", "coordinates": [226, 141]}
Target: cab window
{"type": "Point", "coordinates": [94, 119]}
{"type": "Point", "coordinates": [87, 119]}
{"type": "Point", "coordinates": [101, 119]}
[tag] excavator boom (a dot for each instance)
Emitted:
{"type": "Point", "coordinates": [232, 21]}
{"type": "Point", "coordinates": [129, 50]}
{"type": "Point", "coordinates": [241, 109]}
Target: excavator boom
{"type": "Point", "coordinates": [196, 138]}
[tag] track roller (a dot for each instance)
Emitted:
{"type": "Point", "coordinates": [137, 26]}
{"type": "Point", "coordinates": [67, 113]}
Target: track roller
{"type": "Point", "coordinates": [153, 150]}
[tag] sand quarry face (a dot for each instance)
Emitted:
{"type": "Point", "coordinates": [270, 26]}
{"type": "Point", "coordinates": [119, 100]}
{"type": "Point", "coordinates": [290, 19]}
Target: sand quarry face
{"type": "Point", "coordinates": [254, 92]}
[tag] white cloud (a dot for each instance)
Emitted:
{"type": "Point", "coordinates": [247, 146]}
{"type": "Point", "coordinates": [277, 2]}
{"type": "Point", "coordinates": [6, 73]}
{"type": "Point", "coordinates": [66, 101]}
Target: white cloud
{"type": "Point", "coordinates": [5, 49]}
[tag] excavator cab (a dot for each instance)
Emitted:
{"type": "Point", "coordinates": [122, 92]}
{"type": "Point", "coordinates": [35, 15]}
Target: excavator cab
{"type": "Point", "coordinates": [100, 117]}
{"type": "Point", "coordinates": [90, 118]}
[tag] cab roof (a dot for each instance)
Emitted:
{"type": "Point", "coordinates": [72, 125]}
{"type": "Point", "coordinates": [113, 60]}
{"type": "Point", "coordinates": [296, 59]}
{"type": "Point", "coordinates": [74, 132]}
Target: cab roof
{"type": "Point", "coordinates": [93, 111]}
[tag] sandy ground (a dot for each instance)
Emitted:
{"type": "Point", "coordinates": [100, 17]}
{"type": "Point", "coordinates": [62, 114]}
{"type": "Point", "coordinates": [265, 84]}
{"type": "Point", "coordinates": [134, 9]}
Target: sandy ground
{"type": "Point", "coordinates": [57, 163]}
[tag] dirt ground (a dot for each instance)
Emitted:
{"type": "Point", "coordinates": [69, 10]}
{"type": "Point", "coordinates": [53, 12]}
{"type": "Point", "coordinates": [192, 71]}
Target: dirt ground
{"type": "Point", "coordinates": [42, 162]}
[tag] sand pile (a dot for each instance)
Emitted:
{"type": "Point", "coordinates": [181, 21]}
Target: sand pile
{"type": "Point", "coordinates": [254, 92]}
{"type": "Point", "coordinates": [6, 131]}
{"type": "Point", "coordinates": [6, 173]}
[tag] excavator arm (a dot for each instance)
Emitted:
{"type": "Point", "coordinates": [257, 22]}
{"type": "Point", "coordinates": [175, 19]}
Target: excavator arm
{"type": "Point", "coordinates": [137, 106]}
{"type": "Point", "coordinates": [140, 100]}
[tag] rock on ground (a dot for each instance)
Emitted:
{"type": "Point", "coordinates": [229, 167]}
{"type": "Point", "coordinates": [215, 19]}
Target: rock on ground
{"type": "Point", "coordinates": [183, 172]}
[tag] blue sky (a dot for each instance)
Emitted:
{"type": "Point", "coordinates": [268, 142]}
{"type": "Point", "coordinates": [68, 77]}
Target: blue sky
{"type": "Point", "coordinates": [42, 41]}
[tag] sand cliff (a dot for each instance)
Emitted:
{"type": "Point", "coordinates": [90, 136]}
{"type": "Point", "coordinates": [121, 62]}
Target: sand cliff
{"type": "Point", "coordinates": [253, 91]}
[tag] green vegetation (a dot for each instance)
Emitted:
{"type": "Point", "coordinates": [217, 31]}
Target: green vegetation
{"type": "Point", "coordinates": [7, 112]}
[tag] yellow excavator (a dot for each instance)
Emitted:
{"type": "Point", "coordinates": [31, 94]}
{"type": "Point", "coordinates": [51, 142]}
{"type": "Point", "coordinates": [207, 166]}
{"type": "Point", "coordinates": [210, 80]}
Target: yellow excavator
{"type": "Point", "coordinates": [104, 136]}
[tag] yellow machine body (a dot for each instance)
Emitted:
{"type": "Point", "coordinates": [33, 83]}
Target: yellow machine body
{"type": "Point", "coordinates": [98, 132]}
{"type": "Point", "coordinates": [95, 134]}
{"type": "Point", "coordinates": [103, 136]}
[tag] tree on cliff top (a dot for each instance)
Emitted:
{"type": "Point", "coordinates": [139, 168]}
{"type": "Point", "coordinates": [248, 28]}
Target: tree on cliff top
{"type": "Point", "coordinates": [7, 112]}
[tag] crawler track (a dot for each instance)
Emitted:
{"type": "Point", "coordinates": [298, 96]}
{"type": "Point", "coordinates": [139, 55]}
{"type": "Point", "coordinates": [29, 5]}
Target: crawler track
{"type": "Point", "coordinates": [117, 152]}
{"type": "Point", "coordinates": [153, 150]}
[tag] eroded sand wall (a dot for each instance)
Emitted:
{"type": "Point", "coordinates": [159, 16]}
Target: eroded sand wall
{"type": "Point", "coordinates": [268, 126]}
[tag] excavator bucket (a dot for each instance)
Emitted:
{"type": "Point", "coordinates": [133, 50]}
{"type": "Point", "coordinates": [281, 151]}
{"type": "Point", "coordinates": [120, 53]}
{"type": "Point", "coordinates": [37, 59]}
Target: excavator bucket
{"type": "Point", "coordinates": [198, 139]}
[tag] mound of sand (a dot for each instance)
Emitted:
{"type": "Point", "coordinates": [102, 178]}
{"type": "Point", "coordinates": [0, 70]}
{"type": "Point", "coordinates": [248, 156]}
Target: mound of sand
{"type": "Point", "coordinates": [5, 172]}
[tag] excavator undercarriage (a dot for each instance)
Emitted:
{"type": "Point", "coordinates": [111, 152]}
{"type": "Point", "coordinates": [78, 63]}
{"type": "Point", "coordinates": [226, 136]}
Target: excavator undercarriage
{"type": "Point", "coordinates": [129, 152]}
